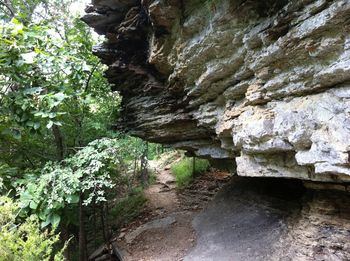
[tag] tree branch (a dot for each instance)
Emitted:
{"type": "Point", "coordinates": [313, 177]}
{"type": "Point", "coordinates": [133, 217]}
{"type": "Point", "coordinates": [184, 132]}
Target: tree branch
{"type": "Point", "coordinates": [89, 78]}
{"type": "Point", "coordinates": [9, 8]}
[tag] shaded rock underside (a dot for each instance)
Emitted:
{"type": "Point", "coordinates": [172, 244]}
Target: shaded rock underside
{"type": "Point", "coordinates": [266, 83]}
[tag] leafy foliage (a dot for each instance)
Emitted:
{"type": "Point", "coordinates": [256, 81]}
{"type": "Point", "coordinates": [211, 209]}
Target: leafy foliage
{"type": "Point", "coordinates": [50, 191]}
{"type": "Point", "coordinates": [50, 81]}
{"type": "Point", "coordinates": [24, 241]}
{"type": "Point", "coordinates": [57, 146]}
{"type": "Point", "coordinates": [20, 8]}
{"type": "Point", "coordinates": [47, 192]}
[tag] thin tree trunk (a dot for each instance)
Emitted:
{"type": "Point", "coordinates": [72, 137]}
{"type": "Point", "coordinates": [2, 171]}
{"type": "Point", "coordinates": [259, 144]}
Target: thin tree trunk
{"type": "Point", "coordinates": [65, 238]}
{"type": "Point", "coordinates": [82, 236]}
{"type": "Point", "coordinates": [95, 223]}
{"type": "Point", "coordinates": [58, 141]}
{"type": "Point", "coordinates": [144, 171]}
{"type": "Point", "coordinates": [9, 8]}
{"type": "Point", "coordinates": [132, 178]}
{"type": "Point", "coordinates": [103, 225]}
{"type": "Point", "coordinates": [158, 150]}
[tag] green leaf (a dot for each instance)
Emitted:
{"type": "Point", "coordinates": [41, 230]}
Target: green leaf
{"type": "Point", "coordinates": [45, 223]}
{"type": "Point", "coordinates": [59, 96]}
{"type": "Point", "coordinates": [74, 199]}
{"type": "Point", "coordinates": [52, 115]}
{"type": "Point", "coordinates": [33, 204]}
{"type": "Point", "coordinates": [58, 205]}
{"type": "Point", "coordinates": [32, 91]}
{"type": "Point", "coordinates": [42, 215]}
{"type": "Point", "coordinates": [49, 125]}
{"type": "Point", "coordinates": [86, 68]}
{"type": "Point", "coordinates": [24, 203]}
{"type": "Point", "coordinates": [55, 220]}
{"type": "Point", "coordinates": [15, 21]}
{"type": "Point", "coordinates": [26, 196]}
{"type": "Point", "coordinates": [6, 131]}
{"type": "Point", "coordinates": [39, 113]}
{"type": "Point", "coordinates": [44, 115]}
{"type": "Point", "coordinates": [24, 106]}
{"type": "Point", "coordinates": [30, 124]}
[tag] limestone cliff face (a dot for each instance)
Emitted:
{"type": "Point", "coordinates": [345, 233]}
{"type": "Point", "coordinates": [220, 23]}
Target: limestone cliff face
{"type": "Point", "coordinates": [264, 82]}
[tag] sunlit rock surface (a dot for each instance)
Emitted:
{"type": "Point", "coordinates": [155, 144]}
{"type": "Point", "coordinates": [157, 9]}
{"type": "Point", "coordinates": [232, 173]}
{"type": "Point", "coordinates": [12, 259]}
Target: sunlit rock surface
{"type": "Point", "coordinates": [264, 82]}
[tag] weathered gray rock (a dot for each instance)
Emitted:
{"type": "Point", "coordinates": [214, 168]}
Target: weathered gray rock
{"type": "Point", "coordinates": [273, 219]}
{"type": "Point", "coordinates": [265, 82]}
{"type": "Point", "coordinates": [158, 223]}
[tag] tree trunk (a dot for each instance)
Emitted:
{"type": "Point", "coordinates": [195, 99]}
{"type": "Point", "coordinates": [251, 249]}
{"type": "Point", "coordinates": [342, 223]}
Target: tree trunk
{"type": "Point", "coordinates": [82, 236]}
{"type": "Point", "coordinates": [144, 171]}
{"type": "Point", "coordinates": [58, 141]}
{"type": "Point", "coordinates": [103, 225]}
{"type": "Point", "coordinates": [94, 223]}
{"type": "Point", "coordinates": [65, 238]}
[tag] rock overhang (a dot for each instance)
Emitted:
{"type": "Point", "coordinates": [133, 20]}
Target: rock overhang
{"type": "Point", "coordinates": [265, 84]}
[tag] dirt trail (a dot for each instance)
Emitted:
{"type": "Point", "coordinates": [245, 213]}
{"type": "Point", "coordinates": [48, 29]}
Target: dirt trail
{"type": "Point", "coordinates": [166, 233]}
{"type": "Point", "coordinates": [162, 194]}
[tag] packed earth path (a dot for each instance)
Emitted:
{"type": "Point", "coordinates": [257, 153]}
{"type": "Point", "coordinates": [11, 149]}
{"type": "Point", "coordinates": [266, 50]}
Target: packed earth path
{"type": "Point", "coordinates": [164, 232]}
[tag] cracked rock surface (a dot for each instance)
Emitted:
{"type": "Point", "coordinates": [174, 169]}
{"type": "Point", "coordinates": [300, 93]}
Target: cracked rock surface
{"type": "Point", "coordinates": [266, 83]}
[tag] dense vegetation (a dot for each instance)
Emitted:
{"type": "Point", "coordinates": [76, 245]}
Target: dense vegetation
{"type": "Point", "coordinates": [35, 245]}
{"type": "Point", "coordinates": [60, 160]}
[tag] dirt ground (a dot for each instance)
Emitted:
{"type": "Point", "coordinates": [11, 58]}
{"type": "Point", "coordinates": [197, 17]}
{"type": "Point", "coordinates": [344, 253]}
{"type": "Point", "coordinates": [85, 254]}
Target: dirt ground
{"type": "Point", "coordinates": [165, 233]}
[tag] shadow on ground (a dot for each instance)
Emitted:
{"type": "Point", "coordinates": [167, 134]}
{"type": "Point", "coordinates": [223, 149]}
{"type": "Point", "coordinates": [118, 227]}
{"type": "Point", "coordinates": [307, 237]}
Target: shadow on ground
{"type": "Point", "coordinates": [246, 219]}
{"type": "Point", "coordinates": [273, 219]}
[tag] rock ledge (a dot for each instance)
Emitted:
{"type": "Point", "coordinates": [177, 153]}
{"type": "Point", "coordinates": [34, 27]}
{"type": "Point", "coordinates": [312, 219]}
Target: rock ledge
{"type": "Point", "coordinates": [264, 82]}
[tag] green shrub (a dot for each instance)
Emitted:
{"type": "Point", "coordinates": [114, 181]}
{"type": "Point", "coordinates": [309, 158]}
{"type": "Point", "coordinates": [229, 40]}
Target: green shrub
{"type": "Point", "coordinates": [183, 170]}
{"type": "Point", "coordinates": [24, 241]}
{"type": "Point", "coordinates": [201, 165]}
{"type": "Point", "coordinates": [128, 208]}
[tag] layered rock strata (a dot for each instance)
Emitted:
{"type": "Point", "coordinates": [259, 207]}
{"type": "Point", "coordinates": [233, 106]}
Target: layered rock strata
{"type": "Point", "coordinates": [264, 82]}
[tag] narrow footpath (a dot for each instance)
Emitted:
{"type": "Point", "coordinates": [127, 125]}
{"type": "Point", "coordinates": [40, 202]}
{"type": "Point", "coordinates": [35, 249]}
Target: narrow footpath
{"type": "Point", "coordinates": [166, 232]}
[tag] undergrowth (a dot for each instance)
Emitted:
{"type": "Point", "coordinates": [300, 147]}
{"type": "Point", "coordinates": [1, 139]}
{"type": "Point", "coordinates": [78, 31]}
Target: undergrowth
{"type": "Point", "coordinates": [183, 170]}
{"type": "Point", "coordinates": [128, 208]}
{"type": "Point", "coordinates": [25, 241]}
